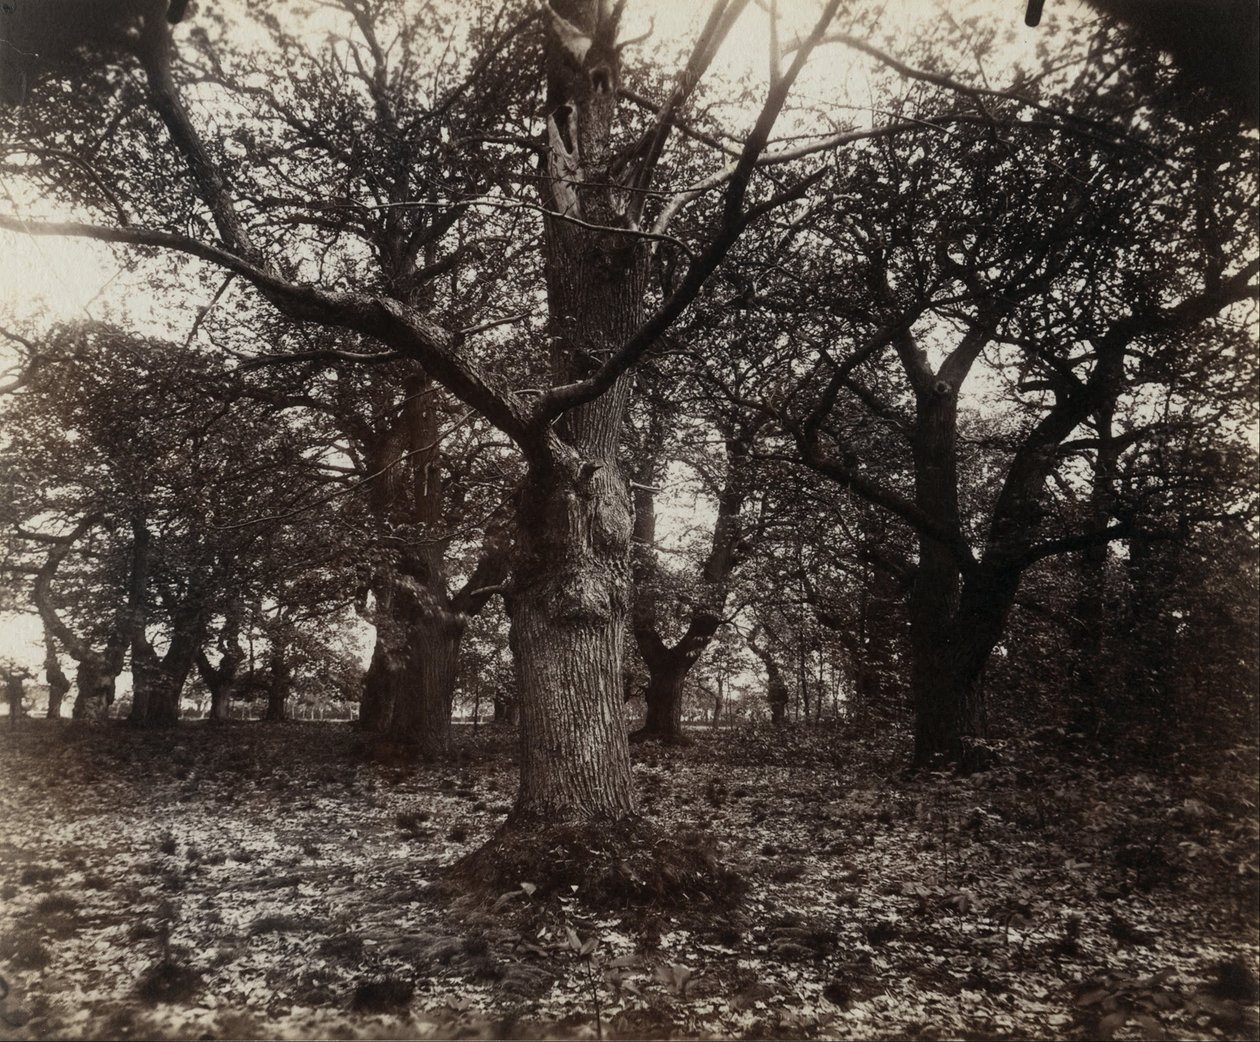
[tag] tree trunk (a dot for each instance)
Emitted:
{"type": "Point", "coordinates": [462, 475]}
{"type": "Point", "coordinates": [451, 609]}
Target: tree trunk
{"type": "Point", "coordinates": [664, 696]}
{"type": "Point", "coordinates": [277, 705]}
{"type": "Point", "coordinates": [668, 665]}
{"type": "Point", "coordinates": [98, 671]}
{"type": "Point", "coordinates": [421, 718]}
{"type": "Point", "coordinates": [58, 682]}
{"type": "Point", "coordinates": [410, 686]}
{"type": "Point", "coordinates": [941, 692]}
{"type": "Point", "coordinates": [278, 687]}
{"type": "Point", "coordinates": [385, 676]}
{"type": "Point", "coordinates": [506, 709]}
{"type": "Point", "coordinates": [221, 680]}
{"type": "Point", "coordinates": [1087, 702]}
{"type": "Point", "coordinates": [146, 679]}
{"type": "Point", "coordinates": [777, 695]}
{"type": "Point", "coordinates": [568, 611]}
{"type": "Point", "coordinates": [158, 684]}
{"type": "Point", "coordinates": [946, 674]}
{"type": "Point", "coordinates": [94, 684]}
{"type": "Point", "coordinates": [220, 702]}
{"type": "Point", "coordinates": [14, 692]}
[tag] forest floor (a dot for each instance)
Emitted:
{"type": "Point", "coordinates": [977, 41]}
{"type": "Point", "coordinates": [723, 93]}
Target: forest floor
{"type": "Point", "coordinates": [266, 881]}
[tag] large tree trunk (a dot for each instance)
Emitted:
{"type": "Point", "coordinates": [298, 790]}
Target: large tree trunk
{"type": "Point", "coordinates": [946, 673]}
{"type": "Point", "coordinates": [146, 679]}
{"type": "Point", "coordinates": [776, 685]}
{"type": "Point", "coordinates": [158, 684]}
{"type": "Point", "coordinates": [421, 718]}
{"type": "Point", "coordinates": [569, 591]}
{"type": "Point", "coordinates": [942, 692]}
{"type": "Point", "coordinates": [220, 703]}
{"type": "Point", "coordinates": [664, 697]}
{"type": "Point", "coordinates": [1090, 622]}
{"type": "Point", "coordinates": [98, 670]}
{"type": "Point", "coordinates": [410, 685]}
{"type": "Point", "coordinates": [221, 680]}
{"type": "Point", "coordinates": [568, 613]}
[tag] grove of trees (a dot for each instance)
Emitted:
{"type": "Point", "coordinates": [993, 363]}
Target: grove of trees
{"type": "Point", "coordinates": [903, 373]}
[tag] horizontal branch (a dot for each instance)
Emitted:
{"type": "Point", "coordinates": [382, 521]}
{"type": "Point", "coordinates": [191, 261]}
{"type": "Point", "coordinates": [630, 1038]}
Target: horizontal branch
{"type": "Point", "coordinates": [394, 324]}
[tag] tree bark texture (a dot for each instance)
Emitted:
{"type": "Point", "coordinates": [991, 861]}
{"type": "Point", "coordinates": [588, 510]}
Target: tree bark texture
{"type": "Point", "coordinates": [158, 683]}
{"type": "Point", "coordinates": [279, 683]}
{"type": "Point", "coordinates": [569, 594]}
{"type": "Point", "coordinates": [954, 624]}
{"type": "Point", "coordinates": [568, 610]}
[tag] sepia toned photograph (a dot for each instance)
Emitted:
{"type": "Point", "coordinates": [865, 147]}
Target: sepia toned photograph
{"type": "Point", "coordinates": [630, 519]}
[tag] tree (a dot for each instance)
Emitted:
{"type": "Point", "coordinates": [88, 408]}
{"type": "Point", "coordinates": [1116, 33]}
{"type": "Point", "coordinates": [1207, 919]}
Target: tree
{"type": "Point", "coordinates": [703, 603]}
{"type": "Point", "coordinates": [151, 447]}
{"type": "Point", "coordinates": [15, 677]}
{"type": "Point", "coordinates": [961, 281]}
{"type": "Point", "coordinates": [568, 589]}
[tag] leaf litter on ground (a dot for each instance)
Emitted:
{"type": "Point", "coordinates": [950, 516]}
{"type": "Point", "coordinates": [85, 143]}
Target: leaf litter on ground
{"type": "Point", "coordinates": [268, 881]}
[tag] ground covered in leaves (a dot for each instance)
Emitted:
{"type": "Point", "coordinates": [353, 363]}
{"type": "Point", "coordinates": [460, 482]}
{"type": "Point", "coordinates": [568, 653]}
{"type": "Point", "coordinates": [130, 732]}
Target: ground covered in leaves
{"type": "Point", "coordinates": [270, 881]}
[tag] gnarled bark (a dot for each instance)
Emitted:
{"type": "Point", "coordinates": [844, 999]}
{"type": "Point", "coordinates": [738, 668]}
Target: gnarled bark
{"type": "Point", "coordinates": [410, 685]}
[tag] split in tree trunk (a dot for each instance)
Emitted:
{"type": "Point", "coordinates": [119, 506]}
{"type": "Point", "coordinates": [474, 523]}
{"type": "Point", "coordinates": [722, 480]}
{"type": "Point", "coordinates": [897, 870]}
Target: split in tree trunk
{"type": "Point", "coordinates": [221, 680]}
{"type": "Point", "coordinates": [98, 671]}
{"type": "Point", "coordinates": [158, 683]}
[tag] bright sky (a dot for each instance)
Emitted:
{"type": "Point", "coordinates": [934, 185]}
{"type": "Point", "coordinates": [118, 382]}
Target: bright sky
{"type": "Point", "coordinates": [46, 279]}
{"type": "Point", "coordinates": [66, 279]}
